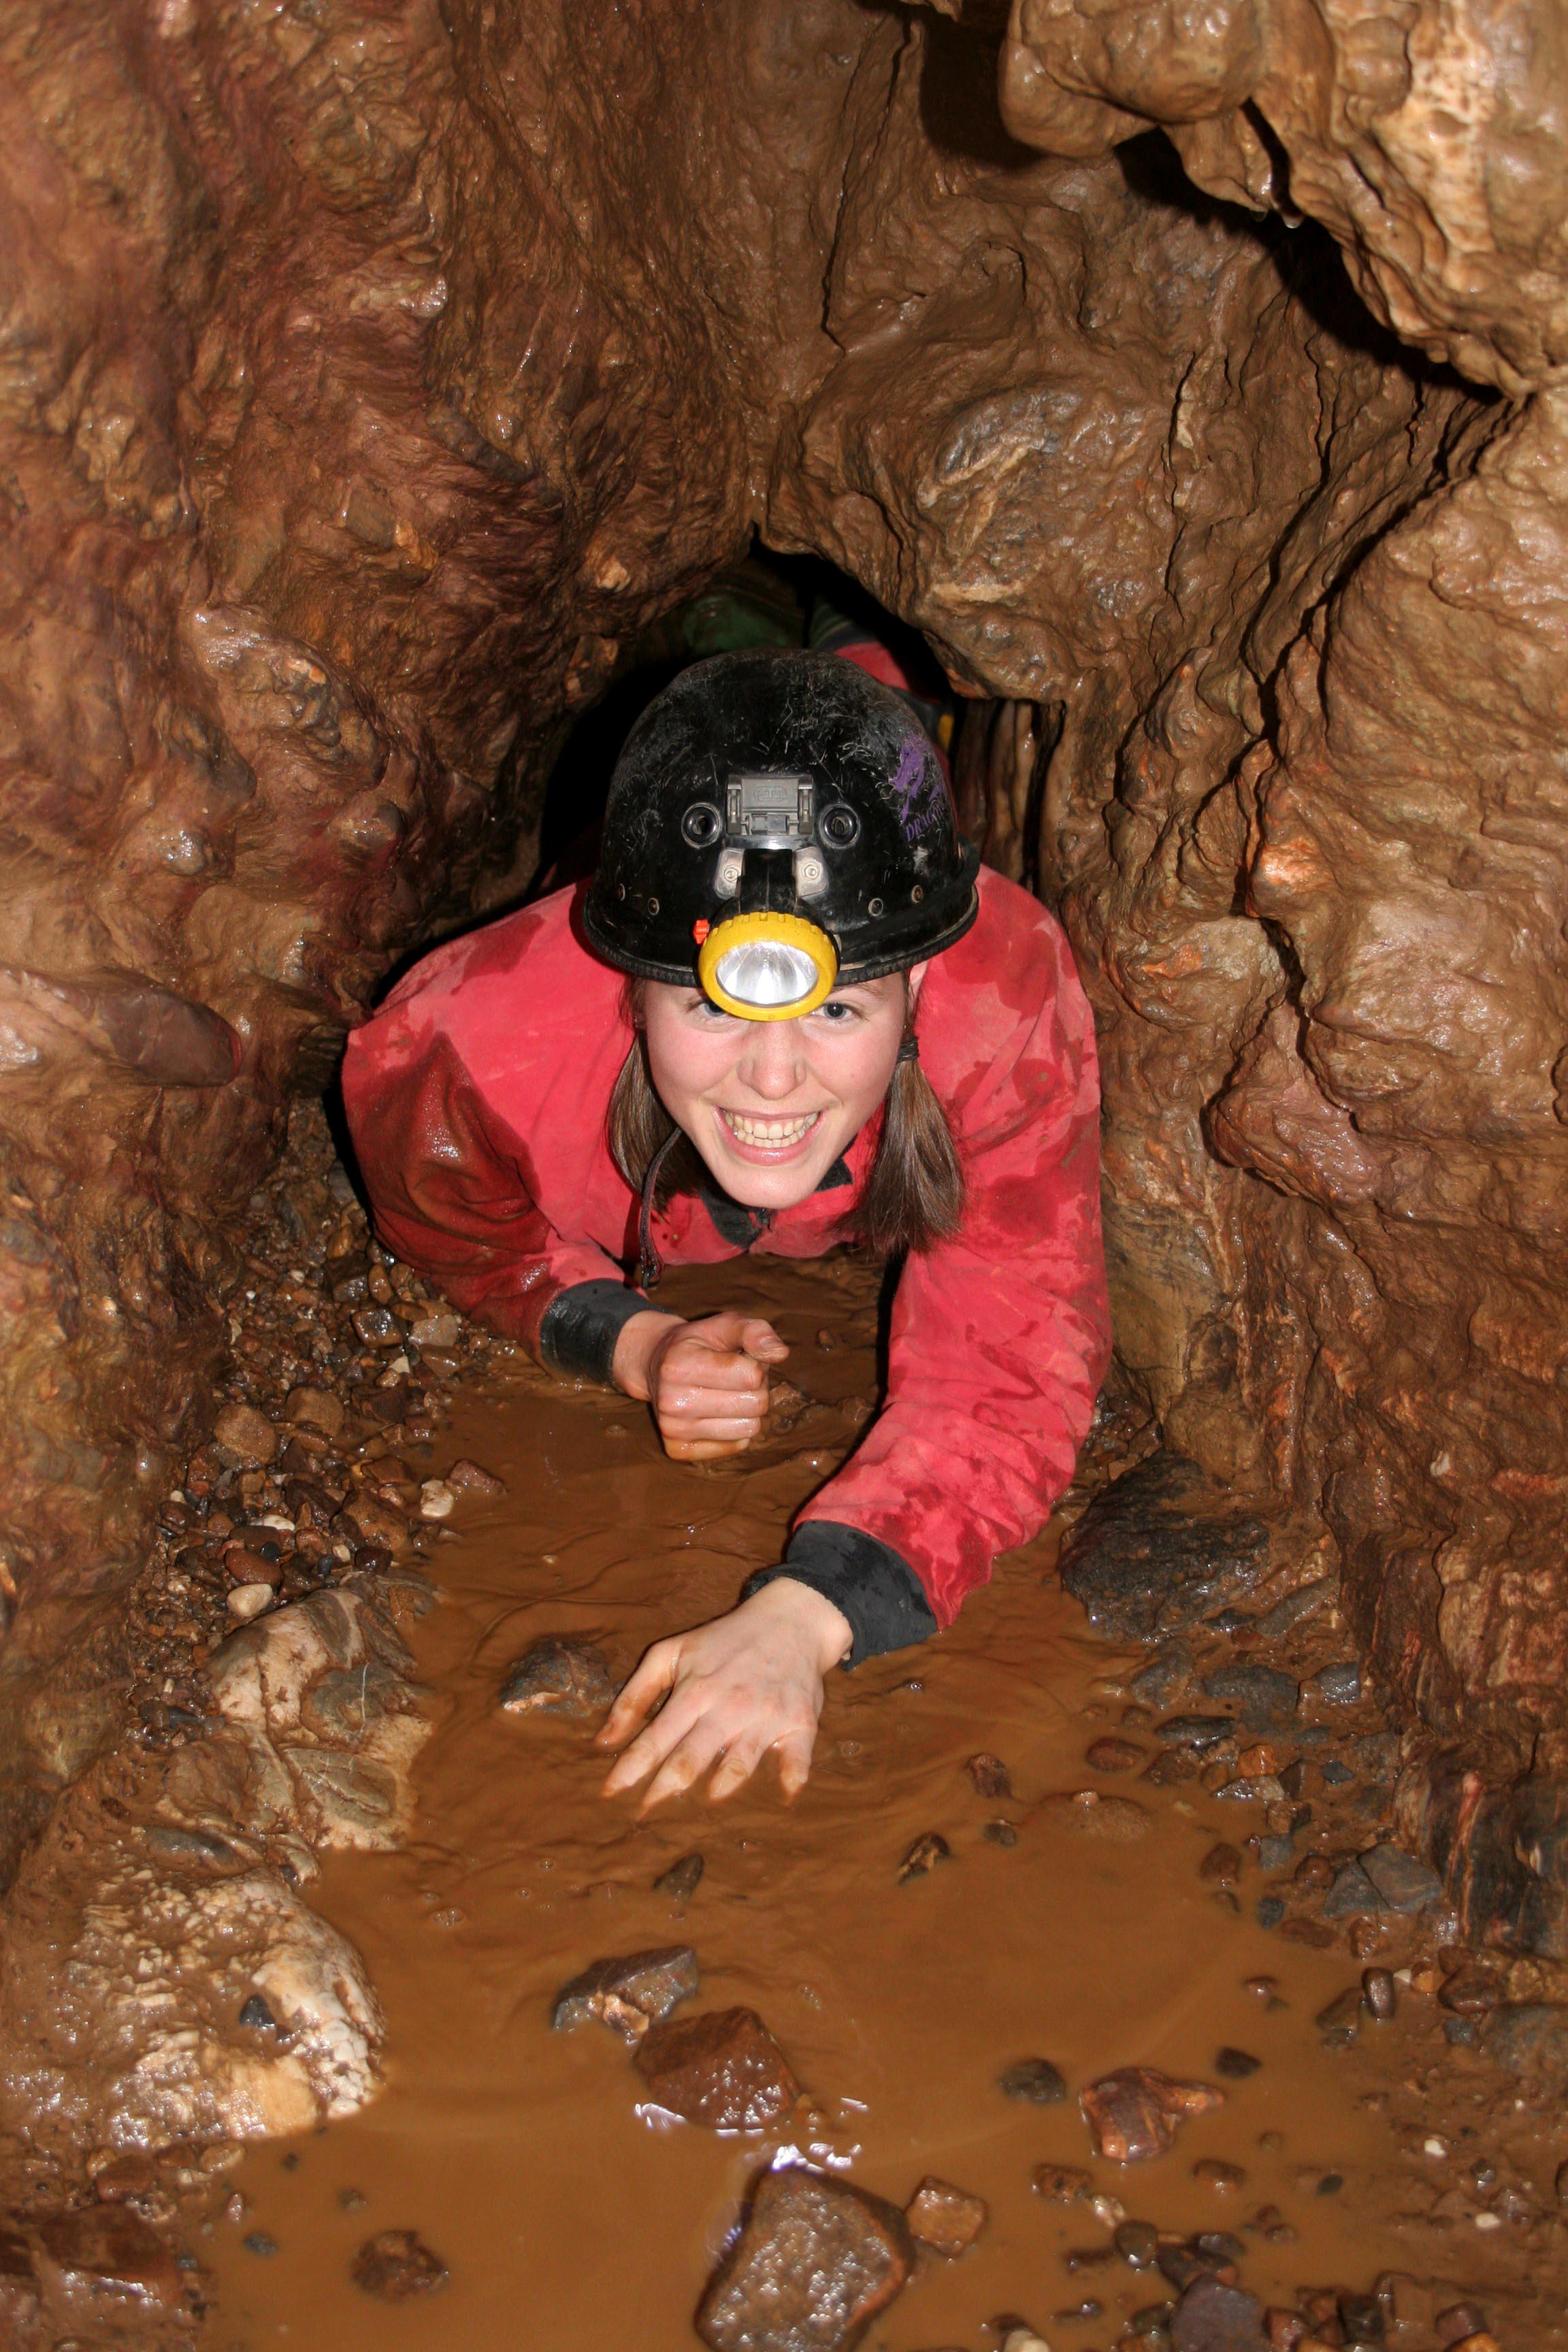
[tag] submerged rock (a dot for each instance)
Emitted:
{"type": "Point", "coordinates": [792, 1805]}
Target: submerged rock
{"type": "Point", "coordinates": [1033, 2079]}
{"type": "Point", "coordinates": [105, 2256]}
{"type": "Point", "coordinates": [1135, 2112]}
{"type": "Point", "coordinates": [1159, 1549]}
{"type": "Point", "coordinates": [816, 2262]}
{"type": "Point", "coordinates": [558, 1676]}
{"type": "Point", "coordinates": [683, 1879]}
{"type": "Point", "coordinates": [1120, 1819]}
{"type": "Point", "coordinates": [1400, 1882]}
{"type": "Point", "coordinates": [1213, 2317]}
{"type": "Point", "coordinates": [722, 2069]}
{"type": "Point", "coordinates": [927, 1850]}
{"type": "Point", "coordinates": [629, 1994]}
{"type": "Point", "coordinates": [395, 2264]}
{"type": "Point", "coordinates": [989, 1776]}
{"type": "Point", "coordinates": [945, 2219]}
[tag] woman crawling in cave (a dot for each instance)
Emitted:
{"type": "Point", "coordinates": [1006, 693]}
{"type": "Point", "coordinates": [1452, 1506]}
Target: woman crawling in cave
{"type": "Point", "coordinates": [789, 1011]}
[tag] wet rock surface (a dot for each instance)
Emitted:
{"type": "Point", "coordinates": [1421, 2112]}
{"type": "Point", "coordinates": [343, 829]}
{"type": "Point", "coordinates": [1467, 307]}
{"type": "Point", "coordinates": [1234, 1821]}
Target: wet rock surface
{"type": "Point", "coordinates": [1135, 2113]}
{"type": "Point", "coordinates": [558, 1677]}
{"type": "Point", "coordinates": [629, 1994]}
{"type": "Point", "coordinates": [816, 2262]}
{"type": "Point", "coordinates": [722, 2069]}
{"type": "Point", "coordinates": [396, 2265]}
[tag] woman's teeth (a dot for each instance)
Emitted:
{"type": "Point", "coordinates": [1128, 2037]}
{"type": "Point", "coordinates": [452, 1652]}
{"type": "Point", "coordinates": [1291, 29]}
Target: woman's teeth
{"type": "Point", "coordinates": [768, 1134]}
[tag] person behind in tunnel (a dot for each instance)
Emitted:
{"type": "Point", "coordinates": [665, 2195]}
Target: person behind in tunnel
{"type": "Point", "coordinates": [788, 1011]}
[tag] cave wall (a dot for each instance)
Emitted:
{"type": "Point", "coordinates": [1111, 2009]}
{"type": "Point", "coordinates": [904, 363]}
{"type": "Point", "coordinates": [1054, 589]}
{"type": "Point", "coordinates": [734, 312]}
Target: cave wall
{"type": "Point", "coordinates": [372, 374]}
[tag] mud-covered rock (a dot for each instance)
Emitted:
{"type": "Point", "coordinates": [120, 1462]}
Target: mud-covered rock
{"type": "Point", "coordinates": [245, 1436]}
{"type": "Point", "coordinates": [1213, 2317]}
{"type": "Point", "coordinates": [1159, 1549]}
{"type": "Point", "coordinates": [396, 2265]}
{"type": "Point", "coordinates": [945, 2219]}
{"type": "Point", "coordinates": [1529, 2038]}
{"type": "Point", "coordinates": [722, 2069]}
{"type": "Point", "coordinates": [815, 2262]}
{"type": "Point", "coordinates": [102, 2257]}
{"type": "Point", "coordinates": [628, 1994]}
{"type": "Point", "coordinates": [1134, 2114]}
{"type": "Point", "coordinates": [558, 1676]}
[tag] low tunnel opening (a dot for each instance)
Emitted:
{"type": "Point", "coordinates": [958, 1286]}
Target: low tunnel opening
{"type": "Point", "coordinates": [396, 404]}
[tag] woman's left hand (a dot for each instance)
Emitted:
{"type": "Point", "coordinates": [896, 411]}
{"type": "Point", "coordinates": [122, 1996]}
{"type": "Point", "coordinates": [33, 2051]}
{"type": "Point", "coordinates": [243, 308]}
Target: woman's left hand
{"type": "Point", "coordinates": [738, 1686]}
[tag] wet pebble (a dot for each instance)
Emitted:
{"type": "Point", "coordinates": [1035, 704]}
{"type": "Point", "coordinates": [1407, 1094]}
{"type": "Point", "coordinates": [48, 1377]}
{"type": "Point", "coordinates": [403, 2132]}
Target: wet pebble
{"type": "Point", "coordinates": [1221, 1867]}
{"type": "Point", "coordinates": [1109, 1754]}
{"type": "Point", "coordinates": [1213, 2172]}
{"type": "Point", "coordinates": [1263, 1694]}
{"type": "Point", "coordinates": [815, 2262]}
{"type": "Point", "coordinates": [1403, 1883]}
{"type": "Point", "coordinates": [1122, 1820]}
{"type": "Point", "coordinates": [628, 1993]}
{"type": "Point", "coordinates": [1234, 2064]}
{"type": "Point", "coordinates": [1339, 2021]}
{"type": "Point", "coordinates": [248, 1602]}
{"type": "Point", "coordinates": [722, 2069]}
{"type": "Point", "coordinates": [245, 1436]}
{"type": "Point", "coordinates": [1158, 1683]}
{"type": "Point", "coordinates": [1137, 2244]}
{"type": "Point", "coordinates": [683, 1879]}
{"type": "Point", "coordinates": [260, 2241]}
{"type": "Point", "coordinates": [1339, 1684]}
{"type": "Point", "coordinates": [469, 1477]}
{"type": "Point", "coordinates": [1275, 1852]}
{"type": "Point", "coordinates": [1134, 2113]}
{"type": "Point", "coordinates": [1196, 1731]}
{"type": "Point", "coordinates": [1033, 2079]}
{"type": "Point", "coordinates": [1378, 1992]}
{"type": "Point", "coordinates": [558, 1676]}
{"type": "Point", "coordinates": [256, 2014]}
{"type": "Point", "coordinates": [1214, 2317]}
{"type": "Point", "coordinates": [927, 1850]}
{"type": "Point", "coordinates": [437, 1499]}
{"type": "Point", "coordinates": [1470, 1991]}
{"type": "Point", "coordinates": [396, 2265]}
{"type": "Point", "coordinates": [989, 1776]}
{"type": "Point", "coordinates": [946, 2219]}
{"type": "Point", "coordinates": [1062, 2184]}
{"type": "Point", "coordinates": [1000, 1833]}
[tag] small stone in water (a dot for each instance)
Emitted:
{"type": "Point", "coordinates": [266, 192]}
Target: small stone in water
{"type": "Point", "coordinates": [258, 2015]}
{"type": "Point", "coordinates": [1377, 1991]}
{"type": "Point", "coordinates": [1460, 2320]}
{"type": "Point", "coordinates": [1274, 1852]}
{"type": "Point", "coordinates": [1134, 2113]}
{"type": "Point", "coordinates": [1339, 1685]}
{"type": "Point", "coordinates": [558, 1676]}
{"type": "Point", "coordinates": [990, 1776]}
{"type": "Point", "coordinates": [1403, 1883]}
{"type": "Point", "coordinates": [1352, 1895]}
{"type": "Point", "coordinates": [395, 2264]}
{"type": "Point", "coordinates": [438, 1500]}
{"type": "Point", "coordinates": [1000, 1833]}
{"type": "Point", "coordinates": [723, 2069]}
{"type": "Point", "coordinates": [1137, 2244]}
{"type": "Point", "coordinates": [1197, 1731]}
{"type": "Point", "coordinates": [1111, 1754]}
{"type": "Point", "coordinates": [1213, 2172]}
{"type": "Point", "coordinates": [1236, 2065]}
{"type": "Point", "coordinates": [1213, 2316]}
{"type": "Point", "coordinates": [1335, 1774]}
{"type": "Point", "coordinates": [816, 2262]}
{"type": "Point", "coordinates": [470, 1478]}
{"type": "Point", "coordinates": [258, 2242]}
{"type": "Point", "coordinates": [1469, 1992]}
{"type": "Point", "coordinates": [946, 2219]}
{"type": "Point", "coordinates": [683, 1879]}
{"type": "Point", "coordinates": [925, 1854]}
{"type": "Point", "coordinates": [630, 1993]}
{"type": "Point", "coordinates": [1221, 1867]}
{"type": "Point", "coordinates": [1062, 2184]}
{"type": "Point", "coordinates": [1035, 2079]}
{"type": "Point", "coordinates": [378, 1326]}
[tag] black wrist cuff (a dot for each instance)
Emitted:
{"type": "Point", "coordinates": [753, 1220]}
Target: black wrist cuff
{"type": "Point", "coordinates": [581, 1326]}
{"type": "Point", "coordinates": [870, 1583]}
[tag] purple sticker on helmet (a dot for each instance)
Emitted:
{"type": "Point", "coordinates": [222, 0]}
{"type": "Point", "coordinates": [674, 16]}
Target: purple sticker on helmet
{"type": "Point", "coordinates": [907, 782]}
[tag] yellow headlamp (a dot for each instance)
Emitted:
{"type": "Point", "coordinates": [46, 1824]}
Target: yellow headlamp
{"type": "Point", "coordinates": [767, 967]}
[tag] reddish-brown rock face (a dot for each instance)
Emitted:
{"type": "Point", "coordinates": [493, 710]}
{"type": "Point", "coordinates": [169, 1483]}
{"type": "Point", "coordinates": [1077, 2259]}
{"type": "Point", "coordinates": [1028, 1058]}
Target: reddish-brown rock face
{"type": "Point", "coordinates": [372, 375]}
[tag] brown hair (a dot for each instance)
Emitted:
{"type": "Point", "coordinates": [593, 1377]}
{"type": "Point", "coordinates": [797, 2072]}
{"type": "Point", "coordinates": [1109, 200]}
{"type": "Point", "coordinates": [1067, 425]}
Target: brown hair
{"type": "Point", "coordinates": [913, 1197]}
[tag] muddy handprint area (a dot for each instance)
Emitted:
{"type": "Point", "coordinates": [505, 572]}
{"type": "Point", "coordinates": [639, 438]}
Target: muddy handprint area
{"type": "Point", "coordinates": [1083, 1991]}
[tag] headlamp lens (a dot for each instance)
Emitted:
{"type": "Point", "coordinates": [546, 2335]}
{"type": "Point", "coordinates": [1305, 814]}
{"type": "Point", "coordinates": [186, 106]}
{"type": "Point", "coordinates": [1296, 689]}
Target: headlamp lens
{"type": "Point", "coordinates": [767, 967]}
{"type": "Point", "coordinates": [766, 974]}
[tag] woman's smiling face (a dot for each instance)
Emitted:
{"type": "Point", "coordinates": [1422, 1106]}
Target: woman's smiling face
{"type": "Point", "coordinates": [770, 1105]}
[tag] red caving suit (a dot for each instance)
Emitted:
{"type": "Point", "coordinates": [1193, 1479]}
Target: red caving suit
{"type": "Point", "coordinates": [478, 1098]}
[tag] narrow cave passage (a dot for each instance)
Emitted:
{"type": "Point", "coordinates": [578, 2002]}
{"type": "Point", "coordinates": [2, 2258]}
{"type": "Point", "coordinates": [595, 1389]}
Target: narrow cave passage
{"type": "Point", "coordinates": [393, 401]}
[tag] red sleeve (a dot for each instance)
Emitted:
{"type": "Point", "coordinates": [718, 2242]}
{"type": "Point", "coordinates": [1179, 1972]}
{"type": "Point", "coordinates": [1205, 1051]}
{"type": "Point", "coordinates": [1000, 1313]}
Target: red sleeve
{"type": "Point", "coordinates": [448, 1183]}
{"type": "Point", "coordinates": [1000, 1337]}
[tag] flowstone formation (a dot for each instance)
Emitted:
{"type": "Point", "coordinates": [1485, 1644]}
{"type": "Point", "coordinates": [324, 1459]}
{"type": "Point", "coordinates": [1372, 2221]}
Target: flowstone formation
{"type": "Point", "coordinates": [375, 375]}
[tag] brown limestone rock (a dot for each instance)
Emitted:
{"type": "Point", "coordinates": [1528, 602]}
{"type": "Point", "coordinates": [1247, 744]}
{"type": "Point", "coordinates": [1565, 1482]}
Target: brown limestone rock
{"type": "Point", "coordinates": [1120, 1820]}
{"type": "Point", "coordinates": [722, 2069]}
{"type": "Point", "coordinates": [317, 1409]}
{"type": "Point", "coordinates": [560, 1676]}
{"type": "Point", "coordinates": [629, 1994]}
{"type": "Point", "coordinates": [945, 2219]}
{"type": "Point", "coordinates": [1213, 2317]}
{"type": "Point", "coordinates": [1134, 2113]}
{"type": "Point", "coordinates": [816, 2262]}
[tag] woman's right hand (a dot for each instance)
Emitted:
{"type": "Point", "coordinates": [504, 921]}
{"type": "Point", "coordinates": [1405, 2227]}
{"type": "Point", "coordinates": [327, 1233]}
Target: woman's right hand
{"type": "Point", "coordinates": [707, 1381]}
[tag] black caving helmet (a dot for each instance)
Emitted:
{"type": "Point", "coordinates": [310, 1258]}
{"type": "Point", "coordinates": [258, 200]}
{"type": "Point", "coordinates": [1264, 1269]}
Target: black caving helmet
{"type": "Point", "coordinates": [778, 825]}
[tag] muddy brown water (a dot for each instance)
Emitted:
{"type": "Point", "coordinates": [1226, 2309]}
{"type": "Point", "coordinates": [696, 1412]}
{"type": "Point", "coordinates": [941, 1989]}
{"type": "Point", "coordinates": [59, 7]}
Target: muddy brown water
{"type": "Point", "coordinates": [570, 2217]}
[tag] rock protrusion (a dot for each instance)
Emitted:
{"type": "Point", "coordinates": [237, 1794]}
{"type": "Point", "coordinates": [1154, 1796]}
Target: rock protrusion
{"type": "Point", "coordinates": [816, 2262]}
